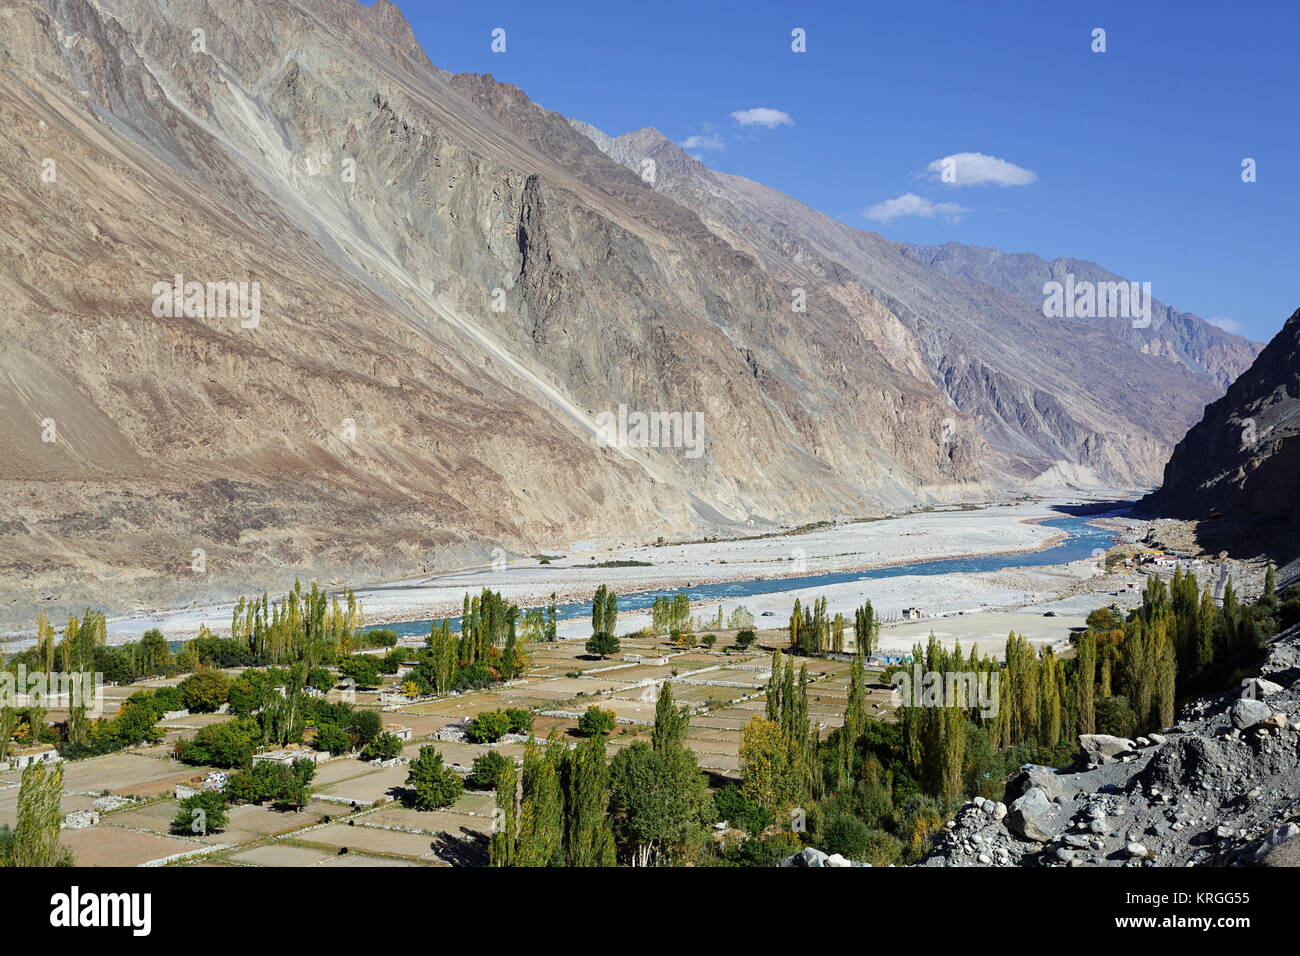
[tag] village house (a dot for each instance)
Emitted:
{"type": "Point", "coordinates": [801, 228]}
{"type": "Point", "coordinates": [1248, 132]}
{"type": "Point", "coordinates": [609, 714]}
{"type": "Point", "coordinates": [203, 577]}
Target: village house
{"type": "Point", "coordinates": [21, 758]}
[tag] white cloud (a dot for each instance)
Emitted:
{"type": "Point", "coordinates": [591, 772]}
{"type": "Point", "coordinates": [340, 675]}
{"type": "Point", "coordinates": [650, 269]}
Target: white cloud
{"type": "Point", "coordinates": [976, 169]}
{"type": "Point", "coordinates": [1228, 325]}
{"type": "Point", "coordinates": [910, 204]}
{"type": "Point", "coordinates": [703, 142]}
{"type": "Point", "coordinates": [762, 116]}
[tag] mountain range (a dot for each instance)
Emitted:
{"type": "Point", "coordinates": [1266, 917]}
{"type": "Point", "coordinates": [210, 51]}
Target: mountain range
{"type": "Point", "coordinates": [454, 285]}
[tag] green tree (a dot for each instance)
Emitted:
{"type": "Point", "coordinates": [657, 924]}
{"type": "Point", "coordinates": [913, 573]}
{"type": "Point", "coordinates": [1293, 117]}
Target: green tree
{"type": "Point", "coordinates": [504, 837]}
{"type": "Point", "coordinates": [435, 785]}
{"type": "Point", "coordinates": [488, 727]}
{"type": "Point", "coordinates": [769, 774]}
{"type": "Point", "coordinates": [541, 823]}
{"type": "Point", "coordinates": [384, 747]}
{"type": "Point", "coordinates": [596, 721]}
{"type": "Point", "coordinates": [486, 770]}
{"type": "Point", "coordinates": [584, 779]}
{"type": "Point", "coordinates": [671, 722]}
{"type": "Point", "coordinates": [603, 644]}
{"type": "Point", "coordinates": [659, 798]}
{"type": "Point", "coordinates": [202, 813]}
{"type": "Point", "coordinates": [36, 837]}
{"type": "Point", "coordinates": [204, 691]}
{"type": "Point", "coordinates": [1085, 681]}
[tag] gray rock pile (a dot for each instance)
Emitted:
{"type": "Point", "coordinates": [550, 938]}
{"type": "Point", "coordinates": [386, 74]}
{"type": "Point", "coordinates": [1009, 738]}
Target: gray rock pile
{"type": "Point", "coordinates": [1220, 788]}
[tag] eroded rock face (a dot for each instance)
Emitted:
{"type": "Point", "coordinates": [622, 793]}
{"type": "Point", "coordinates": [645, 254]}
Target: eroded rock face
{"type": "Point", "coordinates": [1238, 468]}
{"type": "Point", "coordinates": [454, 285]}
{"type": "Point", "coordinates": [1205, 792]}
{"type": "Point", "coordinates": [1041, 412]}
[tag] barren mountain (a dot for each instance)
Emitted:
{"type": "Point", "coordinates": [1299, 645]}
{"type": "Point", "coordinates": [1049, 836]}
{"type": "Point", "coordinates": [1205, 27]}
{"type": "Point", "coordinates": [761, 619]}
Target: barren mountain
{"type": "Point", "coordinates": [1180, 337]}
{"type": "Point", "coordinates": [447, 302]}
{"type": "Point", "coordinates": [456, 288]}
{"type": "Point", "coordinates": [1237, 471]}
{"type": "Point", "coordinates": [1056, 400]}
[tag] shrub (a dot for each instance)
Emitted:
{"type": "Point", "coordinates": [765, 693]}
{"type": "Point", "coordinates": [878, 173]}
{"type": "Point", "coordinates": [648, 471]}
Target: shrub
{"type": "Point", "coordinates": [379, 637]}
{"type": "Point", "coordinates": [846, 835]}
{"type": "Point", "coordinates": [366, 726]}
{"type": "Point", "coordinates": [202, 813]}
{"type": "Point", "coordinates": [488, 727]}
{"type": "Point", "coordinates": [434, 785]}
{"type": "Point", "coordinates": [882, 849]}
{"type": "Point", "coordinates": [333, 738]}
{"type": "Point", "coordinates": [597, 721]}
{"type": "Point", "coordinates": [745, 638]}
{"type": "Point", "coordinates": [280, 783]}
{"type": "Point", "coordinates": [731, 805]}
{"type": "Point", "coordinates": [521, 720]}
{"type": "Point", "coordinates": [487, 770]}
{"type": "Point", "coordinates": [384, 747]}
{"type": "Point", "coordinates": [363, 670]}
{"type": "Point", "coordinates": [204, 691]}
{"type": "Point", "coordinates": [221, 745]}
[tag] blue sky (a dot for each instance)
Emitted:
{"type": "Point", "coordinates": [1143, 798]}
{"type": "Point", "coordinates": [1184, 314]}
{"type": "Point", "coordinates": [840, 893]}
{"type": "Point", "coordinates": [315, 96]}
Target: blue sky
{"type": "Point", "coordinates": [1131, 157]}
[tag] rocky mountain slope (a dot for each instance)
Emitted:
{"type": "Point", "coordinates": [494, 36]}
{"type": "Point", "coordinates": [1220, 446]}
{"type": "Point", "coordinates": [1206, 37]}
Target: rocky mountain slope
{"type": "Point", "coordinates": [1178, 337]}
{"type": "Point", "coordinates": [455, 285]}
{"type": "Point", "coordinates": [1237, 471]}
{"type": "Point", "coordinates": [1217, 789]}
{"type": "Point", "coordinates": [1046, 416]}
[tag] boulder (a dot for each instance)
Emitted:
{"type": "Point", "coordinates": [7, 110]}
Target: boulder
{"type": "Point", "coordinates": [808, 856]}
{"type": "Point", "coordinates": [1247, 712]}
{"type": "Point", "coordinates": [1104, 749]}
{"type": "Point", "coordinates": [1030, 776]}
{"type": "Point", "coordinates": [1032, 816]}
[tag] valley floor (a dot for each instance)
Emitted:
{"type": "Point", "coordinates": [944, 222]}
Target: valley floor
{"type": "Point", "coordinates": [964, 605]}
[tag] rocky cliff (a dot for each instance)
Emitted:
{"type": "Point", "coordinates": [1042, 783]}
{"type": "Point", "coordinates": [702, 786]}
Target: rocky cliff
{"type": "Point", "coordinates": [1237, 471]}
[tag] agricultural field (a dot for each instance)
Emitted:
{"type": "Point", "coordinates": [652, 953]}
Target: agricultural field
{"type": "Point", "coordinates": [358, 813]}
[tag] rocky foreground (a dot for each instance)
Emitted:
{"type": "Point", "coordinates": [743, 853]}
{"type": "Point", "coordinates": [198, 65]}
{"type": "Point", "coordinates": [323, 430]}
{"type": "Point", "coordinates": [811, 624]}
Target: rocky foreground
{"type": "Point", "coordinates": [1221, 788]}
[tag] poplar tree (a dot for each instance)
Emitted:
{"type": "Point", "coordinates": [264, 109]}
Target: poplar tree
{"type": "Point", "coordinates": [598, 611]}
{"type": "Point", "coordinates": [671, 723]}
{"type": "Point", "coordinates": [1084, 681]}
{"type": "Point", "coordinates": [855, 711]}
{"type": "Point", "coordinates": [36, 837]}
{"type": "Point", "coordinates": [541, 821]}
{"type": "Point", "coordinates": [773, 692]}
{"type": "Point", "coordinates": [584, 778]}
{"type": "Point", "coordinates": [504, 836]}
